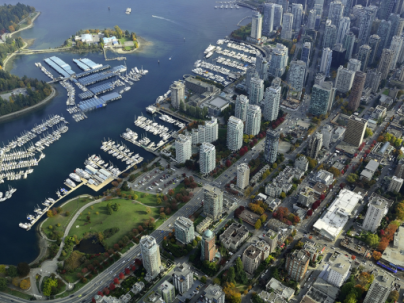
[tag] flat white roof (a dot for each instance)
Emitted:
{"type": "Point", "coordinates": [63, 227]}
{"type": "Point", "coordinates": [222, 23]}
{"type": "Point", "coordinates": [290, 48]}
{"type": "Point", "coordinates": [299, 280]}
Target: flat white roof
{"type": "Point", "coordinates": [338, 213]}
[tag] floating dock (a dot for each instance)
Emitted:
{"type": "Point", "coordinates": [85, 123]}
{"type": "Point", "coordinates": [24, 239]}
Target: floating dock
{"type": "Point", "coordinates": [96, 102]}
{"type": "Point", "coordinates": [92, 71]}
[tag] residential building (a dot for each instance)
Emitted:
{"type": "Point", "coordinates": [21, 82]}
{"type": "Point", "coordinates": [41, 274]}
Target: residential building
{"type": "Point", "coordinates": [327, 131]}
{"type": "Point", "coordinates": [213, 202]}
{"type": "Point", "coordinates": [322, 98]}
{"type": "Point", "coordinates": [396, 27]}
{"type": "Point", "coordinates": [183, 278]}
{"type": "Point", "coordinates": [380, 289]}
{"type": "Point", "coordinates": [335, 11]}
{"type": "Point", "coordinates": [296, 264]}
{"type": "Point", "coordinates": [338, 55]}
{"type": "Point", "coordinates": [383, 32]}
{"type": "Point", "coordinates": [339, 271]}
{"type": "Point", "coordinates": [306, 51]}
{"type": "Point", "coordinates": [326, 59]}
{"type": "Point", "coordinates": [355, 130]}
{"type": "Point", "coordinates": [395, 184]}
{"type": "Point", "coordinates": [235, 128]}
{"type": "Point", "coordinates": [279, 60]}
{"type": "Point", "coordinates": [256, 25]}
{"type": "Point", "coordinates": [201, 227]}
{"type": "Point", "coordinates": [373, 79]}
{"type": "Point", "coordinates": [241, 107]}
{"type": "Point", "coordinates": [243, 175]}
{"type": "Point", "coordinates": [349, 43]}
{"type": "Point", "coordinates": [374, 43]}
{"type": "Point", "coordinates": [278, 288]}
{"type": "Point", "coordinates": [314, 146]}
{"type": "Point", "coordinates": [268, 21]}
{"type": "Point", "coordinates": [347, 8]}
{"type": "Point", "coordinates": [399, 172]}
{"type": "Point", "coordinates": [356, 90]}
{"type": "Point", "coordinates": [341, 210]}
{"type": "Point", "coordinates": [261, 66]}
{"type": "Point", "coordinates": [311, 20]}
{"type": "Point", "coordinates": [208, 247]}
{"type": "Point", "coordinates": [324, 177]}
{"type": "Point", "coordinates": [184, 230]}
{"type": "Point", "coordinates": [379, 112]}
{"type": "Point", "coordinates": [343, 29]}
{"type": "Point", "coordinates": [385, 63]}
{"type": "Point", "coordinates": [366, 22]}
{"type": "Point", "coordinates": [167, 291]}
{"type": "Point", "coordinates": [354, 65]}
{"type": "Point", "coordinates": [283, 182]}
{"type": "Point", "coordinates": [250, 73]}
{"type": "Point", "coordinates": [306, 197]}
{"type": "Point", "coordinates": [287, 26]}
{"type": "Point", "coordinates": [302, 163]}
{"type": "Point", "coordinates": [330, 35]}
{"type": "Point", "coordinates": [278, 13]}
{"type": "Point", "coordinates": [344, 79]}
{"type": "Point", "coordinates": [297, 74]}
{"type": "Point", "coordinates": [254, 255]}
{"type": "Point", "coordinates": [207, 158]}
{"type": "Point", "coordinates": [206, 133]}
{"type": "Point", "coordinates": [395, 46]}
{"type": "Point", "coordinates": [386, 9]}
{"type": "Point", "coordinates": [214, 294]}
{"type": "Point", "coordinates": [150, 256]}
{"type": "Point", "coordinates": [271, 103]}
{"type": "Point", "coordinates": [256, 91]}
{"type": "Point", "coordinates": [271, 237]}
{"type": "Point", "coordinates": [177, 93]}
{"type": "Point", "coordinates": [369, 170]}
{"type": "Point", "coordinates": [234, 236]}
{"type": "Point", "coordinates": [297, 11]}
{"type": "Point", "coordinates": [183, 145]}
{"type": "Point", "coordinates": [364, 56]}
{"type": "Point", "coordinates": [377, 209]}
{"type": "Point", "coordinates": [271, 145]}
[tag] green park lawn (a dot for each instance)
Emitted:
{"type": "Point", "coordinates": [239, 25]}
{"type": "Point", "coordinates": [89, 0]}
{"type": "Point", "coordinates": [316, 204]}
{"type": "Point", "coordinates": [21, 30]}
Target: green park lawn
{"type": "Point", "coordinates": [129, 216]}
{"type": "Point", "coordinates": [72, 207]}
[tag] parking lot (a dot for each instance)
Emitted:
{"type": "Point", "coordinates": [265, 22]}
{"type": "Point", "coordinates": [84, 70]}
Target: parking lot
{"type": "Point", "coordinates": [194, 291]}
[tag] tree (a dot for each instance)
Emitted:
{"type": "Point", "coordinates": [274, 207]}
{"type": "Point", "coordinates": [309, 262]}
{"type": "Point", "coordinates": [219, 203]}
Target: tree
{"type": "Point", "coordinates": [3, 283]}
{"type": "Point", "coordinates": [372, 240]}
{"type": "Point", "coordinates": [203, 280]}
{"type": "Point", "coordinates": [239, 265]}
{"type": "Point", "coordinates": [148, 210]}
{"type": "Point", "coordinates": [353, 257]}
{"type": "Point", "coordinates": [25, 284]}
{"type": "Point", "coordinates": [377, 255]}
{"type": "Point", "coordinates": [12, 271]}
{"type": "Point", "coordinates": [352, 178]}
{"type": "Point", "coordinates": [309, 213]}
{"type": "Point", "coordinates": [283, 195]}
{"type": "Point", "coordinates": [263, 218]}
{"type": "Point", "coordinates": [368, 132]}
{"type": "Point", "coordinates": [393, 296]}
{"type": "Point", "coordinates": [231, 275]}
{"type": "Point", "coordinates": [49, 214]}
{"type": "Point", "coordinates": [121, 275]}
{"type": "Point", "coordinates": [23, 269]}
{"type": "Point", "coordinates": [257, 224]}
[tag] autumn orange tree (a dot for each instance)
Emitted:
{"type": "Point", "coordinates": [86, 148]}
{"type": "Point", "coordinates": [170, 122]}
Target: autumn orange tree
{"type": "Point", "coordinates": [377, 255]}
{"type": "Point", "coordinates": [231, 292]}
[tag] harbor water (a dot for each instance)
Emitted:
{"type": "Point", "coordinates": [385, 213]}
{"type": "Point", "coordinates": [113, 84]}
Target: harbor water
{"type": "Point", "coordinates": [196, 21]}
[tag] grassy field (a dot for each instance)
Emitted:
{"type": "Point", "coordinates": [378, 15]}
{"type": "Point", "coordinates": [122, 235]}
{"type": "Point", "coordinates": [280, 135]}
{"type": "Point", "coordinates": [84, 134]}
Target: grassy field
{"type": "Point", "coordinates": [129, 216]}
{"type": "Point", "coordinates": [17, 293]}
{"type": "Point", "coordinates": [147, 199]}
{"type": "Point", "coordinates": [72, 207]}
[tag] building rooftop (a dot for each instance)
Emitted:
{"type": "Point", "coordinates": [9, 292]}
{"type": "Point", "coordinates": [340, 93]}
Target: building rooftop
{"type": "Point", "coordinates": [182, 270]}
{"type": "Point", "coordinates": [338, 214]}
{"type": "Point", "coordinates": [213, 292]}
{"type": "Point", "coordinates": [252, 252]}
{"type": "Point", "coordinates": [341, 265]}
{"type": "Point", "coordinates": [282, 290]}
{"type": "Point", "coordinates": [326, 288]}
{"type": "Point", "coordinates": [219, 102]}
{"type": "Point", "coordinates": [234, 233]}
{"type": "Point", "coordinates": [395, 254]}
{"type": "Point", "coordinates": [372, 166]}
{"type": "Point", "coordinates": [299, 255]}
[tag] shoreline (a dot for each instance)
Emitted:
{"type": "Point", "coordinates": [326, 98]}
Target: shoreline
{"type": "Point", "coordinates": [28, 109]}
{"type": "Point", "coordinates": [142, 44]}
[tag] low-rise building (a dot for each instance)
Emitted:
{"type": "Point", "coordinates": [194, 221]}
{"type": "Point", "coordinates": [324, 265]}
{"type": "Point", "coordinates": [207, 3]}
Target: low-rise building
{"type": "Point", "coordinates": [320, 188]}
{"type": "Point", "coordinates": [234, 236]}
{"type": "Point", "coordinates": [393, 254]}
{"type": "Point", "coordinates": [302, 163]}
{"type": "Point", "coordinates": [137, 287]}
{"type": "Point", "coordinates": [379, 112]}
{"type": "Point", "coordinates": [331, 224]}
{"type": "Point", "coordinates": [321, 292]}
{"type": "Point", "coordinates": [380, 288]}
{"type": "Point", "coordinates": [276, 225]}
{"type": "Point", "coordinates": [283, 182]}
{"type": "Point", "coordinates": [204, 225]}
{"type": "Point", "coordinates": [271, 297]}
{"type": "Point", "coordinates": [355, 246]}
{"type": "Point", "coordinates": [271, 237]}
{"type": "Point", "coordinates": [324, 177]}
{"type": "Point", "coordinates": [183, 278]}
{"type": "Point", "coordinates": [369, 170]}
{"type": "Point", "coordinates": [273, 203]}
{"type": "Point", "coordinates": [214, 294]}
{"type": "Point", "coordinates": [249, 217]}
{"type": "Point", "coordinates": [339, 271]}
{"type": "Point", "coordinates": [280, 289]}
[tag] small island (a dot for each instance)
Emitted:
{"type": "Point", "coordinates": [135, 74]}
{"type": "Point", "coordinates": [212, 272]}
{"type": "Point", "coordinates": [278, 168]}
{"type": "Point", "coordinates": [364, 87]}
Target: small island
{"type": "Point", "coordinates": [94, 39]}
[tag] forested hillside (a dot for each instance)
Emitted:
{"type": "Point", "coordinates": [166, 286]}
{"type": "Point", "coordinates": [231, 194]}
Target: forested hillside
{"type": "Point", "coordinates": [11, 15]}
